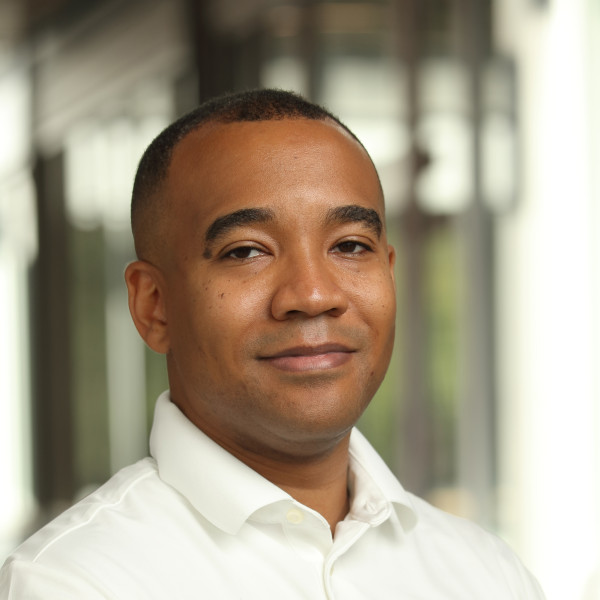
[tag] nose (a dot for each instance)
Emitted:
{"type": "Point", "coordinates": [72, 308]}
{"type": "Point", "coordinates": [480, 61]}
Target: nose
{"type": "Point", "coordinates": [307, 288]}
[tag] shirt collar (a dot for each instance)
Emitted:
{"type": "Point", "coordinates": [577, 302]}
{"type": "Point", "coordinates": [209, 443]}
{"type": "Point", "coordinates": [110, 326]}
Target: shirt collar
{"type": "Point", "coordinates": [221, 487]}
{"type": "Point", "coordinates": [374, 484]}
{"type": "Point", "coordinates": [227, 492]}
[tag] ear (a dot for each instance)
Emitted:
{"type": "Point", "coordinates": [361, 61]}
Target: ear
{"type": "Point", "coordinates": [392, 260]}
{"type": "Point", "coordinates": [147, 304]}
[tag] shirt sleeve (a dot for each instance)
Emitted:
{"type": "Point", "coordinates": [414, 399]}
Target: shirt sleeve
{"type": "Point", "coordinates": [20, 580]}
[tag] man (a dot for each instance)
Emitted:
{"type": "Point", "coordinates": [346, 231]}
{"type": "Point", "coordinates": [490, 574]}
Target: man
{"type": "Point", "coordinates": [265, 277]}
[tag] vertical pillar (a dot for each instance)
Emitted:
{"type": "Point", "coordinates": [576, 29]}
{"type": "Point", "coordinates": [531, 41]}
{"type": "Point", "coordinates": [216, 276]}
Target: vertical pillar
{"type": "Point", "coordinates": [476, 409]}
{"type": "Point", "coordinates": [414, 445]}
{"type": "Point", "coordinates": [51, 393]}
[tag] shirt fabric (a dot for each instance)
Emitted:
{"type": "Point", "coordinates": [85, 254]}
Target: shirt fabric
{"type": "Point", "coordinates": [194, 522]}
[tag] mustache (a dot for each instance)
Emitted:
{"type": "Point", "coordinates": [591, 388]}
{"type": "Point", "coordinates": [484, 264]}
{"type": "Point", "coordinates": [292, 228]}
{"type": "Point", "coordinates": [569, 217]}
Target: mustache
{"type": "Point", "coordinates": [309, 337]}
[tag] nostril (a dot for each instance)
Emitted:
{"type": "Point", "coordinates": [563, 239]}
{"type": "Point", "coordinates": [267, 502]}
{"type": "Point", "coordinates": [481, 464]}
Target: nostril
{"type": "Point", "coordinates": [299, 297]}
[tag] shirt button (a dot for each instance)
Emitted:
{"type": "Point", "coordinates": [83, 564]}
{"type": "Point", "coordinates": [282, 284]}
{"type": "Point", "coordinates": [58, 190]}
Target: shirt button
{"type": "Point", "coordinates": [294, 516]}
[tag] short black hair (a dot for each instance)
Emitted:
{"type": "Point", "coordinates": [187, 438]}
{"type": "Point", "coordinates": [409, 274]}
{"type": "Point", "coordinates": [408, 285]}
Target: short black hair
{"type": "Point", "coordinates": [251, 105]}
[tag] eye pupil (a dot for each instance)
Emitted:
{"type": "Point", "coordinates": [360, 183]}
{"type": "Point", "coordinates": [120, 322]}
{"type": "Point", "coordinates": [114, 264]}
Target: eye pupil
{"type": "Point", "coordinates": [347, 246]}
{"type": "Point", "coordinates": [242, 252]}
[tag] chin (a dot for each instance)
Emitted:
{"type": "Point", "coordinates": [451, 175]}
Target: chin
{"type": "Point", "coordinates": [311, 436]}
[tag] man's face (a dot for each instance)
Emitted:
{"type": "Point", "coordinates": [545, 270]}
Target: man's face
{"type": "Point", "coordinates": [278, 284]}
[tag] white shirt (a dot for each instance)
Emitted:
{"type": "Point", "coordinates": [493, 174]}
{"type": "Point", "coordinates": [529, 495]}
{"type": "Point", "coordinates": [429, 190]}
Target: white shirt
{"type": "Point", "coordinates": [194, 522]}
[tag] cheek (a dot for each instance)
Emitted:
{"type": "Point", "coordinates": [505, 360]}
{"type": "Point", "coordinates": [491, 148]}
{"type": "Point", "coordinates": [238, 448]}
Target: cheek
{"type": "Point", "coordinates": [240, 294]}
{"type": "Point", "coordinates": [388, 311]}
{"type": "Point", "coordinates": [225, 309]}
{"type": "Point", "coordinates": [376, 298]}
{"type": "Point", "coordinates": [378, 311]}
{"type": "Point", "coordinates": [237, 300]}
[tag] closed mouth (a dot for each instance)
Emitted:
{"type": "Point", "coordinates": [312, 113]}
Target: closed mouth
{"type": "Point", "coordinates": [301, 359]}
{"type": "Point", "coordinates": [309, 350]}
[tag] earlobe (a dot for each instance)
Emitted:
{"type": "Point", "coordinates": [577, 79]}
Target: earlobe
{"type": "Point", "coordinates": [147, 304]}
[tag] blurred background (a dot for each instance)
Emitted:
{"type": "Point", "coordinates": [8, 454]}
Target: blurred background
{"type": "Point", "coordinates": [482, 117]}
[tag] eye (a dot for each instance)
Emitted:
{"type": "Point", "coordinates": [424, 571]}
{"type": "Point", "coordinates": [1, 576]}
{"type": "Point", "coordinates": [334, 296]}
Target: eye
{"type": "Point", "coordinates": [242, 252]}
{"type": "Point", "coordinates": [352, 247]}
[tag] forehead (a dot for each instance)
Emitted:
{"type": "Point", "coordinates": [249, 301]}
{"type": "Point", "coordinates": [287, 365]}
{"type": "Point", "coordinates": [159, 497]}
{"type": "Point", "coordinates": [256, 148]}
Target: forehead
{"type": "Point", "coordinates": [305, 163]}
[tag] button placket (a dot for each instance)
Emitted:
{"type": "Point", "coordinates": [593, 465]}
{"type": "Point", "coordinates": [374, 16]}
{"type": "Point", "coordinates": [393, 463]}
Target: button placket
{"type": "Point", "coordinates": [348, 538]}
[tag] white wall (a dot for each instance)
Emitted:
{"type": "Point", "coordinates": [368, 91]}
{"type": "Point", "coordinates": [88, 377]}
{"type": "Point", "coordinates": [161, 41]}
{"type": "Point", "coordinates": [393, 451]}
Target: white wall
{"type": "Point", "coordinates": [549, 303]}
{"type": "Point", "coordinates": [18, 247]}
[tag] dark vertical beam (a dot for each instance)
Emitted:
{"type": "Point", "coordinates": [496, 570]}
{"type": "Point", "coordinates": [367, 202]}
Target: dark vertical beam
{"type": "Point", "coordinates": [477, 407]}
{"type": "Point", "coordinates": [225, 61]}
{"type": "Point", "coordinates": [51, 399]}
{"type": "Point", "coordinates": [213, 56]}
{"type": "Point", "coordinates": [309, 47]}
{"type": "Point", "coordinates": [414, 441]}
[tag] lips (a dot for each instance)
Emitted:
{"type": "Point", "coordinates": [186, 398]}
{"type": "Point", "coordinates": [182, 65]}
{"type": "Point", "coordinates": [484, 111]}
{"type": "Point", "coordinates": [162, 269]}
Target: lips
{"type": "Point", "coordinates": [310, 358]}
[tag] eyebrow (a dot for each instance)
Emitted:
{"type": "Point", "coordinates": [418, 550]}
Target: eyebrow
{"type": "Point", "coordinates": [353, 213]}
{"type": "Point", "coordinates": [239, 218]}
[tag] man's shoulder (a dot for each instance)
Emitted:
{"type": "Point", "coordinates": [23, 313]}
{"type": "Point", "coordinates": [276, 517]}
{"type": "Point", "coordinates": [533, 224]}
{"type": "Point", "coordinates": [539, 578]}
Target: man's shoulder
{"type": "Point", "coordinates": [469, 550]}
{"type": "Point", "coordinates": [101, 514]}
{"type": "Point", "coordinates": [434, 522]}
{"type": "Point", "coordinates": [123, 540]}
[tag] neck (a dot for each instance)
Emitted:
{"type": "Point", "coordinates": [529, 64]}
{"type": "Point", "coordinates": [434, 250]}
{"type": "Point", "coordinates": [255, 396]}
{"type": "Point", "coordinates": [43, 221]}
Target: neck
{"type": "Point", "coordinates": [321, 483]}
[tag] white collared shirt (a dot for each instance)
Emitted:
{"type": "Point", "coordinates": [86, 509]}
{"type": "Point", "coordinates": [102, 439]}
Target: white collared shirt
{"type": "Point", "coordinates": [194, 522]}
